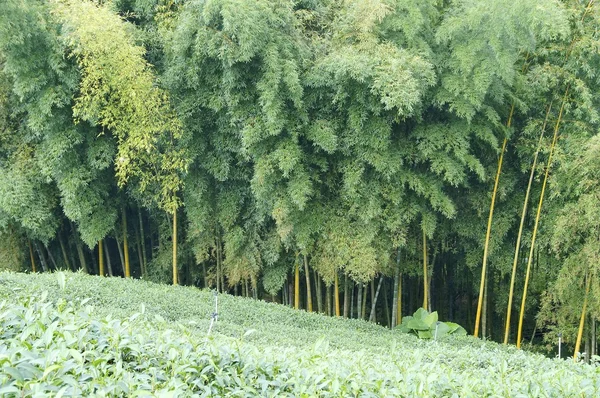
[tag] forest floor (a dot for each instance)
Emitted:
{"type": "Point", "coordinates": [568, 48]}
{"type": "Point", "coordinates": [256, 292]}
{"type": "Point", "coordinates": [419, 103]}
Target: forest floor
{"type": "Point", "coordinates": [77, 335]}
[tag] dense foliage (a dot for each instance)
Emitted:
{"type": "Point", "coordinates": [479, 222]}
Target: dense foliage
{"type": "Point", "coordinates": [239, 145]}
{"type": "Point", "coordinates": [54, 340]}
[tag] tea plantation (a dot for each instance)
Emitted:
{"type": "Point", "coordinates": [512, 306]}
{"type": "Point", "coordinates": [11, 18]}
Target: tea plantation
{"type": "Point", "coordinates": [75, 335]}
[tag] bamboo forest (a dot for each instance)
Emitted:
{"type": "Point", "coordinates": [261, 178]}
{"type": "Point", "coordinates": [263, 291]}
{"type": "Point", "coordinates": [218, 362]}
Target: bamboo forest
{"type": "Point", "coordinates": [379, 162]}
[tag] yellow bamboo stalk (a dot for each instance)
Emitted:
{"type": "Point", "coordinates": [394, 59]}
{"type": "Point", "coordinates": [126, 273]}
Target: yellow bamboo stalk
{"type": "Point", "coordinates": [582, 320]}
{"type": "Point", "coordinates": [521, 225]}
{"type": "Point", "coordinates": [125, 246]}
{"type": "Point", "coordinates": [175, 247]}
{"type": "Point", "coordinates": [336, 295]}
{"type": "Point", "coordinates": [297, 285]}
{"type": "Point", "coordinates": [100, 259]}
{"type": "Point", "coordinates": [31, 257]}
{"type": "Point", "coordinates": [425, 284]}
{"type": "Point", "coordinates": [489, 229]}
{"type": "Point", "coordinates": [537, 217]}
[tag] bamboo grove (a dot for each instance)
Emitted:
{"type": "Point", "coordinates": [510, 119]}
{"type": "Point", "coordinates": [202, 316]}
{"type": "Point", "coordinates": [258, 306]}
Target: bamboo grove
{"type": "Point", "coordinates": [357, 158]}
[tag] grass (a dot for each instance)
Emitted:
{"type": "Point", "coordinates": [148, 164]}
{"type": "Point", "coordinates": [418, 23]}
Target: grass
{"type": "Point", "coordinates": [80, 335]}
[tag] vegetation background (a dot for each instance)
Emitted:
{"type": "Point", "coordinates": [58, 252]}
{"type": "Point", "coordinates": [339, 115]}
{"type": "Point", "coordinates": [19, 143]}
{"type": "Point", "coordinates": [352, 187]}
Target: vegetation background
{"type": "Point", "coordinates": [395, 154]}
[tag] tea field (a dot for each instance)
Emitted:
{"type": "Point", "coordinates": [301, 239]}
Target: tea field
{"type": "Point", "coordinates": [71, 334]}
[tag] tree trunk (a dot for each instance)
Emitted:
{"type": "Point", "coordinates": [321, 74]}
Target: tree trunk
{"type": "Point", "coordinates": [175, 282]}
{"type": "Point", "coordinates": [127, 270]}
{"type": "Point", "coordinates": [31, 256]}
{"type": "Point", "coordinates": [309, 307]}
{"type": "Point", "coordinates": [100, 258]}
{"type": "Point", "coordinates": [372, 317]}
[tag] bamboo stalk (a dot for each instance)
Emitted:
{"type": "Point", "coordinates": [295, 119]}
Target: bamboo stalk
{"type": "Point", "coordinates": [142, 242]}
{"type": "Point", "coordinates": [100, 258]}
{"type": "Point", "coordinates": [120, 249]}
{"type": "Point", "coordinates": [363, 314]}
{"type": "Point", "coordinates": [336, 296]}
{"type": "Point", "coordinates": [489, 230]}
{"type": "Point", "coordinates": [346, 296]}
{"type": "Point", "coordinates": [395, 298]}
{"type": "Point", "coordinates": [175, 247]}
{"type": "Point", "coordinates": [309, 307]}
{"type": "Point", "coordinates": [373, 305]}
{"type": "Point", "coordinates": [64, 251]}
{"type": "Point", "coordinates": [537, 217]}
{"type": "Point", "coordinates": [217, 258]}
{"type": "Point", "coordinates": [319, 291]}
{"type": "Point", "coordinates": [297, 284]}
{"type": "Point", "coordinates": [491, 216]}
{"type": "Point", "coordinates": [328, 305]}
{"type": "Point", "coordinates": [582, 320]}
{"type": "Point", "coordinates": [399, 302]}
{"type": "Point", "coordinates": [108, 263]}
{"type": "Point", "coordinates": [425, 284]}
{"type": "Point", "coordinates": [31, 256]}
{"type": "Point", "coordinates": [521, 225]}
{"type": "Point", "coordinates": [125, 246]}
{"type": "Point", "coordinates": [359, 297]}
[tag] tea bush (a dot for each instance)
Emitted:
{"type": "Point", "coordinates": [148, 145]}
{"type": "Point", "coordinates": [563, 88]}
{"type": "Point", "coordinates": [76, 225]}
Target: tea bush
{"type": "Point", "coordinates": [77, 335]}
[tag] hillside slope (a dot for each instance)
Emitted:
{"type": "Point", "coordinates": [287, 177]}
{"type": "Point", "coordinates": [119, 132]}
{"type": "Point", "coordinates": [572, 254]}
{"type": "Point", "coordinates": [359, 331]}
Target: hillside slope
{"type": "Point", "coordinates": [75, 335]}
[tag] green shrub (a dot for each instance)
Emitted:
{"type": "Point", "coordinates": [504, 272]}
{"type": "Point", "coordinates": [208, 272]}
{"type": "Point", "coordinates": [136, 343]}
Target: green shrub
{"type": "Point", "coordinates": [426, 326]}
{"type": "Point", "coordinates": [78, 335]}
